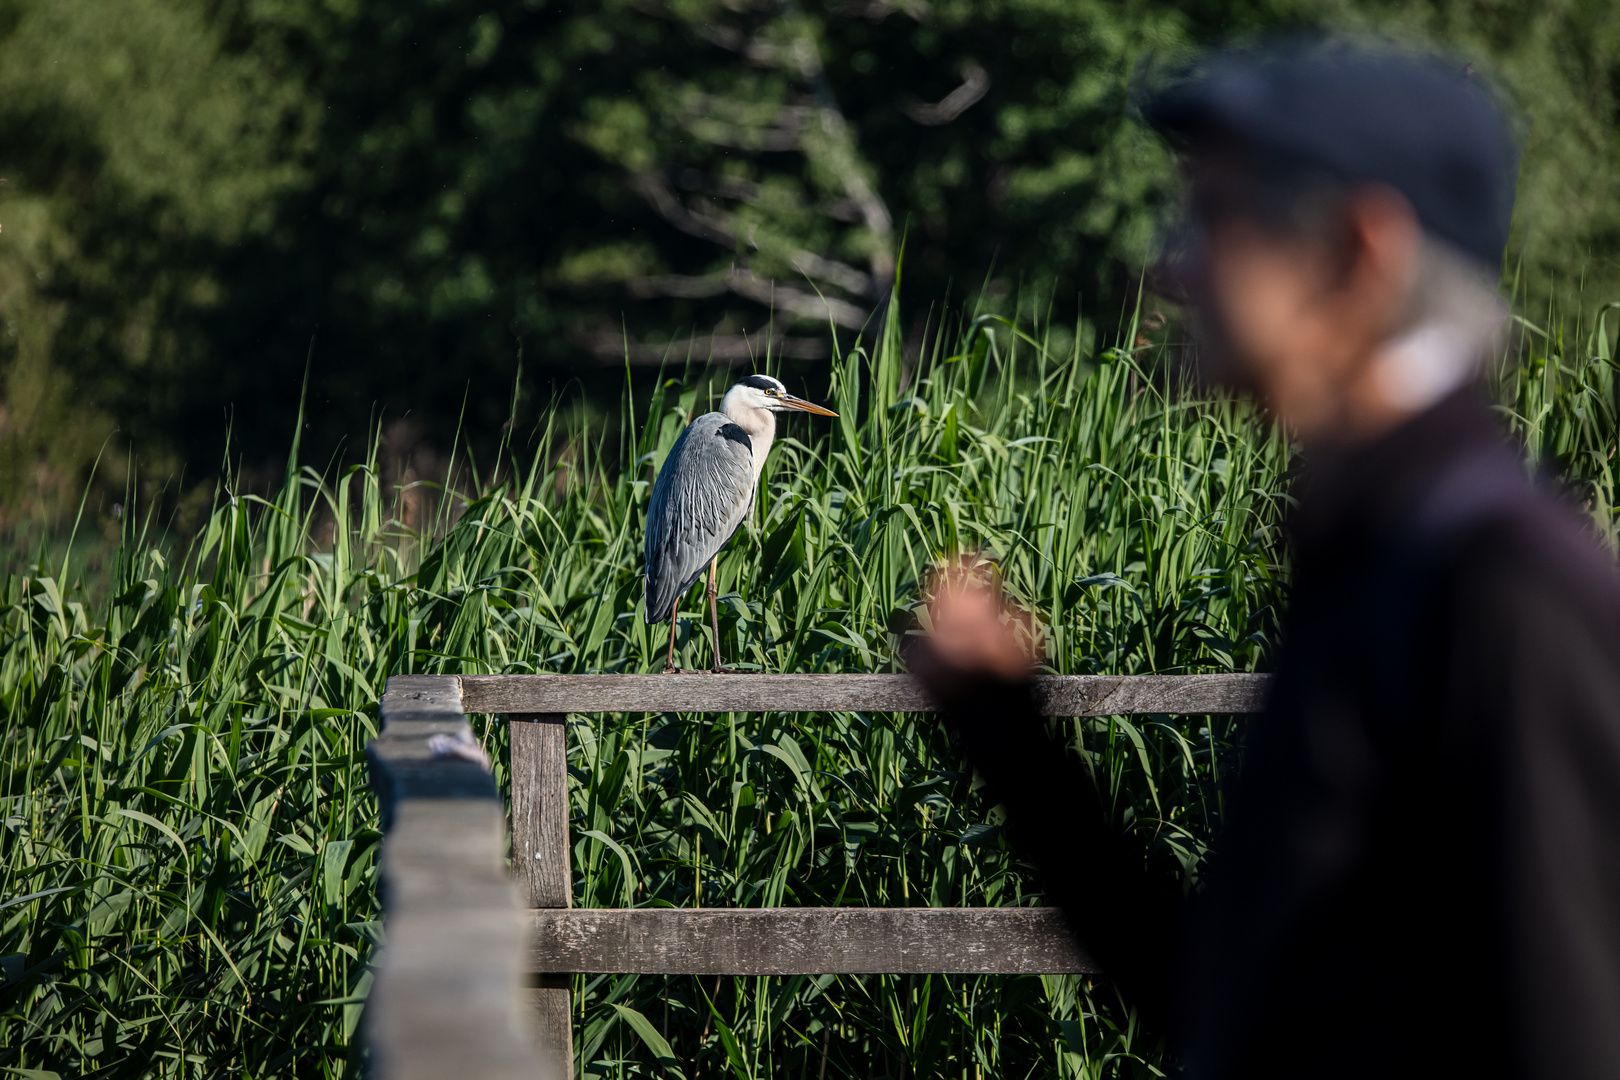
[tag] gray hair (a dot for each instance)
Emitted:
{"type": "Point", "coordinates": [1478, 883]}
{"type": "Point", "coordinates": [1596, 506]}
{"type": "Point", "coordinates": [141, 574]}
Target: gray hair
{"type": "Point", "coordinates": [1458, 290]}
{"type": "Point", "coordinates": [1451, 329]}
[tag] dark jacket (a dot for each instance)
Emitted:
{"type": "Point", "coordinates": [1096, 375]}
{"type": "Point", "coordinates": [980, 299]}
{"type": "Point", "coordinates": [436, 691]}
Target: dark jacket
{"type": "Point", "coordinates": [1420, 872]}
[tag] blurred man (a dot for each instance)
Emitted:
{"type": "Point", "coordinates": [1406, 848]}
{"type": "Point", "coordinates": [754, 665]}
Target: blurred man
{"type": "Point", "coordinates": [1420, 871]}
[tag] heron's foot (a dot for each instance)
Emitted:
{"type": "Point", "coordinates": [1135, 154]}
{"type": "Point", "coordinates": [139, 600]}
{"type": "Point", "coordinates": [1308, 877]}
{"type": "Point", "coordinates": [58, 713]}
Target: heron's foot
{"type": "Point", "coordinates": [718, 670]}
{"type": "Point", "coordinates": [675, 671]}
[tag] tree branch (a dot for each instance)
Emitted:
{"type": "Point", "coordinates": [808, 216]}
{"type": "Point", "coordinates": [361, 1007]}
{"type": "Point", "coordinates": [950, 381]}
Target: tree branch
{"type": "Point", "coordinates": [747, 284]}
{"type": "Point", "coordinates": [842, 275]}
{"type": "Point", "coordinates": [795, 301]}
{"type": "Point", "coordinates": [727, 350]}
{"type": "Point", "coordinates": [653, 188]}
{"type": "Point", "coordinates": [975, 84]}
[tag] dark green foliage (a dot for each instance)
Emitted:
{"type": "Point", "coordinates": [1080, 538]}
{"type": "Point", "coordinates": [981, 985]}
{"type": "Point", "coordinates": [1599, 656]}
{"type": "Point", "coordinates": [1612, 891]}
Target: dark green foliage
{"type": "Point", "coordinates": [198, 191]}
{"type": "Point", "coordinates": [184, 790]}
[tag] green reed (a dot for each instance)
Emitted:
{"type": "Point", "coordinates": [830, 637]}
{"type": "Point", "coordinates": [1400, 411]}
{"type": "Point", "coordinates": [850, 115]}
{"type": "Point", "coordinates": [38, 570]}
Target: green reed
{"type": "Point", "coordinates": [187, 876]}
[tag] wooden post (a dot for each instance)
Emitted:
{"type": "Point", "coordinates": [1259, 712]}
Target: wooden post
{"type": "Point", "coordinates": [539, 778]}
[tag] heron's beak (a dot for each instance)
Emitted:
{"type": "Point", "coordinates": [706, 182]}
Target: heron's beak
{"type": "Point", "coordinates": [788, 401]}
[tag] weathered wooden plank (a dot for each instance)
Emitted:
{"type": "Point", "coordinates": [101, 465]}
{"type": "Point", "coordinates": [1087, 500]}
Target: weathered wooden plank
{"type": "Point", "coordinates": [551, 1007]}
{"type": "Point", "coordinates": [540, 858]}
{"type": "Point", "coordinates": [806, 941]}
{"type": "Point", "coordinates": [1060, 695]}
{"type": "Point", "coordinates": [540, 808]}
{"type": "Point", "coordinates": [449, 999]}
{"type": "Point", "coordinates": [422, 693]}
{"type": "Point", "coordinates": [403, 762]}
{"type": "Point", "coordinates": [1117, 695]}
{"type": "Point", "coordinates": [414, 710]}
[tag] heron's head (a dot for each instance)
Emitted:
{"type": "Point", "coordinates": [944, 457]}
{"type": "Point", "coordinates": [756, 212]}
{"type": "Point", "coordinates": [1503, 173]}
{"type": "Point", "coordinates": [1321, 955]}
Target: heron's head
{"type": "Point", "coordinates": [764, 392]}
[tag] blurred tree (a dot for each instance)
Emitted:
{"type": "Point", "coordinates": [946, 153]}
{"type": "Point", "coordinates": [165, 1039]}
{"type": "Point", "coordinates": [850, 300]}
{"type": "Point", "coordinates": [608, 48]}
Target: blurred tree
{"type": "Point", "coordinates": [204, 195]}
{"type": "Point", "coordinates": [136, 149]}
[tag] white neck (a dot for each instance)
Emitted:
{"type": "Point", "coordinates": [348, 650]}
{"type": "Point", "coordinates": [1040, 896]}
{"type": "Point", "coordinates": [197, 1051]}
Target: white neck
{"type": "Point", "coordinates": [760, 424]}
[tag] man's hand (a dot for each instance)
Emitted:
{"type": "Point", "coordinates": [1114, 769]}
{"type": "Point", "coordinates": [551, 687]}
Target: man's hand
{"type": "Point", "coordinates": [973, 635]}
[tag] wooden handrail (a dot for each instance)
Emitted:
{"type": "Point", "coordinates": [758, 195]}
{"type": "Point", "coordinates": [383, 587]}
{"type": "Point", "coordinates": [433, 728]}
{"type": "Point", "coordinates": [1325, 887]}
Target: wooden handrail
{"type": "Point", "coordinates": [1057, 695]}
{"type": "Point", "coordinates": [448, 998]}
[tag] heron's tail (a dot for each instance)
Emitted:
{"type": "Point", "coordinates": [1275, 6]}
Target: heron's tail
{"type": "Point", "coordinates": [661, 598]}
{"type": "Point", "coordinates": [664, 592]}
{"type": "Point", "coordinates": [660, 602]}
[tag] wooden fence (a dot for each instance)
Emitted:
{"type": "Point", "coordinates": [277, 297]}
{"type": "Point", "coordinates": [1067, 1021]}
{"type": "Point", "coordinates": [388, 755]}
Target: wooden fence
{"type": "Point", "coordinates": [472, 985]}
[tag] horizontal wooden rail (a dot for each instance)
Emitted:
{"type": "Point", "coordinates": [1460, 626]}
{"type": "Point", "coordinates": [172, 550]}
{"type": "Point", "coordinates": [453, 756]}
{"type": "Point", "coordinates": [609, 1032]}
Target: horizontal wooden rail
{"type": "Point", "coordinates": [1057, 695]}
{"type": "Point", "coordinates": [806, 941]}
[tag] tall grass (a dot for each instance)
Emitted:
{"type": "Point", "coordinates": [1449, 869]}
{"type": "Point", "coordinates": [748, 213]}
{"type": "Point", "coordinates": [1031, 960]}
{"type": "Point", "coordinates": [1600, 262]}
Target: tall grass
{"type": "Point", "coordinates": [187, 868]}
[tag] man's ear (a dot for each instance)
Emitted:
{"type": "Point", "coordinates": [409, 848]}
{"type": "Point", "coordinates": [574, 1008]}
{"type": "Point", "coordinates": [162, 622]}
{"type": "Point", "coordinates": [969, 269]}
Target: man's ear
{"type": "Point", "coordinates": [1386, 242]}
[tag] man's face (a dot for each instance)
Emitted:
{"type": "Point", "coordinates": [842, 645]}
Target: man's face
{"type": "Point", "coordinates": [1270, 306]}
{"type": "Point", "coordinates": [1295, 314]}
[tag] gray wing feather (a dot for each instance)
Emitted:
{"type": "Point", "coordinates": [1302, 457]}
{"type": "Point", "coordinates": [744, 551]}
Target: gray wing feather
{"type": "Point", "coordinates": [701, 495]}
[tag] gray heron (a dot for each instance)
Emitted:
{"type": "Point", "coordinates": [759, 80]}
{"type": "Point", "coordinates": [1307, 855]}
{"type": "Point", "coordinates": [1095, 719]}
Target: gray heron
{"type": "Point", "coordinates": [705, 490]}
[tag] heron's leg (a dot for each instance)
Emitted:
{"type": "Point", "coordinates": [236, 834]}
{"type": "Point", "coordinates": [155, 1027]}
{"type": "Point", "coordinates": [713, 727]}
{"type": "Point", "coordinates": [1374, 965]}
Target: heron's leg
{"type": "Point", "coordinates": [674, 623]}
{"type": "Point", "coordinates": [714, 607]}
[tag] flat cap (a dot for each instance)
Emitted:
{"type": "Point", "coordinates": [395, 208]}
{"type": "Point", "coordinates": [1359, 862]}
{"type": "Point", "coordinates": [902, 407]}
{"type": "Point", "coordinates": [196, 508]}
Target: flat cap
{"type": "Point", "coordinates": [1427, 127]}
